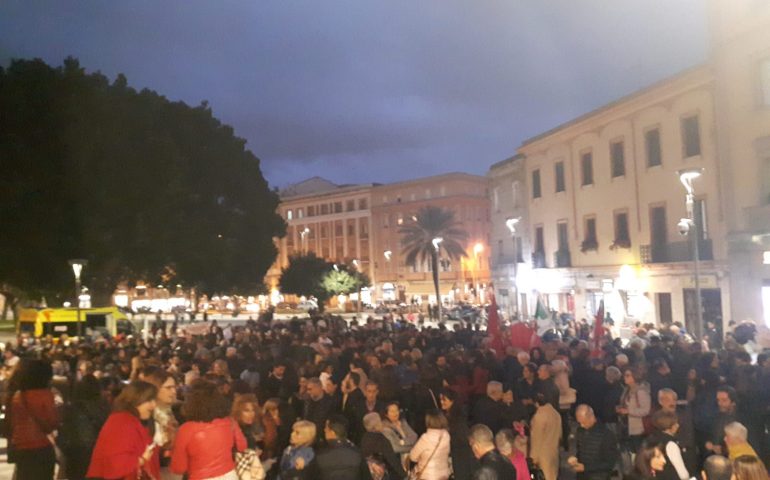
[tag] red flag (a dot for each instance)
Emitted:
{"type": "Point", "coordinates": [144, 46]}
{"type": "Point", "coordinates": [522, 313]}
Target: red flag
{"type": "Point", "coordinates": [493, 327]}
{"type": "Point", "coordinates": [523, 336]}
{"type": "Point", "coordinates": [598, 331]}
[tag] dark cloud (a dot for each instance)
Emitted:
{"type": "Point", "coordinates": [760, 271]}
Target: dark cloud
{"type": "Point", "coordinates": [367, 91]}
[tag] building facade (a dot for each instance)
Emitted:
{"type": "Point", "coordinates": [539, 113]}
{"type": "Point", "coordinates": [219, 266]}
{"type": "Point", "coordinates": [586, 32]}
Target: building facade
{"type": "Point", "coordinates": [605, 204]}
{"type": "Point", "coordinates": [509, 233]}
{"type": "Point", "coordinates": [394, 205]}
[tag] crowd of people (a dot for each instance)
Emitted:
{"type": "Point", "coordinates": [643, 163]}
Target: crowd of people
{"type": "Point", "coordinates": [320, 398]}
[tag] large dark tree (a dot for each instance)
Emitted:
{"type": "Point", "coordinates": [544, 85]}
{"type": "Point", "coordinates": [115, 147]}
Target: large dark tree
{"type": "Point", "coordinates": [417, 240]}
{"type": "Point", "coordinates": [142, 187]}
{"type": "Point", "coordinates": [305, 276]}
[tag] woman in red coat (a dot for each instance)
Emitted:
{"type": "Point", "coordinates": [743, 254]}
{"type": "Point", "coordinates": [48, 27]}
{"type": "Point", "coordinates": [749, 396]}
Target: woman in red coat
{"type": "Point", "coordinates": [124, 449]}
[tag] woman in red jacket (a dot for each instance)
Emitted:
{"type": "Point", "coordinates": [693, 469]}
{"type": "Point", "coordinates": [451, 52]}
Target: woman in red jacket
{"type": "Point", "coordinates": [124, 449]}
{"type": "Point", "coordinates": [33, 418]}
{"type": "Point", "coordinates": [204, 443]}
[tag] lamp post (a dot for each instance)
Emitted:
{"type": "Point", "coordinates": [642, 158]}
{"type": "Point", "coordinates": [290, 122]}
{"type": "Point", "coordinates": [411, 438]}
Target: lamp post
{"type": "Point", "coordinates": [358, 304]}
{"type": "Point", "coordinates": [436, 243]}
{"type": "Point", "coordinates": [477, 249]}
{"type": "Point", "coordinates": [689, 227]}
{"type": "Point", "coordinates": [303, 233]}
{"type": "Point", "coordinates": [511, 224]}
{"type": "Point", "coordinates": [77, 268]}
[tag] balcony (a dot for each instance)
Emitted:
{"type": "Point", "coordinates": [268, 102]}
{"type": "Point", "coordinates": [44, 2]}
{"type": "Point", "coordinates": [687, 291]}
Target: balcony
{"type": "Point", "coordinates": [538, 260]}
{"type": "Point", "coordinates": [562, 259]}
{"type": "Point", "coordinates": [675, 252]}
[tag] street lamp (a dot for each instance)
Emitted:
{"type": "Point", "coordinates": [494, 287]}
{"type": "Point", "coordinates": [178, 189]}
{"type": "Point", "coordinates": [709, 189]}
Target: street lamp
{"type": "Point", "coordinates": [358, 305]}
{"type": "Point", "coordinates": [511, 224]}
{"type": "Point", "coordinates": [303, 234]}
{"type": "Point", "coordinates": [77, 265]}
{"type": "Point", "coordinates": [436, 243]}
{"type": "Point", "coordinates": [688, 226]}
{"type": "Point", "coordinates": [477, 249]}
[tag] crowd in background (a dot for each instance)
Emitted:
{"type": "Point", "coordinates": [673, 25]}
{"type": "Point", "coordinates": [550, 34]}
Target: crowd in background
{"type": "Point", "coordinates": [318, 398]}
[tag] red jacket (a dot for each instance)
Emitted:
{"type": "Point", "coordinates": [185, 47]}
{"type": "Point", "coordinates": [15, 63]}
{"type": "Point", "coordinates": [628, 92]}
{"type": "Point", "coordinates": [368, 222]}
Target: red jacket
{"type": "Point", "coordinates": [205, 449]}
{"type": "Point", "coordinates": [122, 440]}
{"type": "Point", "coordinates": [33, 416]}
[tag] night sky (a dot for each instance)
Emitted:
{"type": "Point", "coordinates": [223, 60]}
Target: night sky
{"type": "Point", "coordinates": [372, 91]}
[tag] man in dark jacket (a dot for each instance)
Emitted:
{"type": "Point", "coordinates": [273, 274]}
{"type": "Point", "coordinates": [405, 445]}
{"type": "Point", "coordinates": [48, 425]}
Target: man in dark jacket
{"type": "Point", "coordinates": [340, 460]}
{"type": "Point", "coordinates": [597, 447]}
{"type": "Point", "coordinates": [375, 445]}
{"type": "Point", "coordinates": [353, 405]}
{"type": "Point", "coordinates": [492, 464]}
{"type": "Point", "coordinates": [318, 406]}
{"type": "Point", "coordinates": [488, 410]}
{"type": "Point", "coordinates": [546, 386]}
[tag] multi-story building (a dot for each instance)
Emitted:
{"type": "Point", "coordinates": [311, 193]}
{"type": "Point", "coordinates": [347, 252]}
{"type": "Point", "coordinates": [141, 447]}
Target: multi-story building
{"type": "Point", "coordinates": [395, 204]}
{"type": "Point", "coordinates": [509, 232]}
{"type": "Point", "coordinates": [605, 200]}
{"type": "Point", "coordinates": [333, 221]}
{"type": "Point", "coordinates": [740, 62]}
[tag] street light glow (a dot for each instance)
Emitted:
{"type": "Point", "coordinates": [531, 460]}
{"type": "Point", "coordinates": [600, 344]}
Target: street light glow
{"type": "Point", "coordinates": [436, 242]}
{"type": "Point", "coordinates": [686, 176]}
{"type": "Point", "coordinates": [77, 267]}
{"type": "Point", "coordinates": [388, 254]}
{"type": "Point", "coordinates": [478, 248]}
{"type": "Point", "coordinates": [511, 224]}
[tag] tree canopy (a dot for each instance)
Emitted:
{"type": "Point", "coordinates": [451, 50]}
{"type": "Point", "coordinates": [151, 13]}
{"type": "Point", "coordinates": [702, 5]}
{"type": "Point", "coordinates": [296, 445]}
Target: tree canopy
{"type": "Point", "coordinates": [142, 187]}
{"type": "Point", "coordinates": [305, 276]}
{"type": "Point", "coordinates": [344, 280]}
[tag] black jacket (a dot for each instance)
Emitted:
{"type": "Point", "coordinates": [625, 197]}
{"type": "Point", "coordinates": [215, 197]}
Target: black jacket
{"type": "Point", "coordinates": [340, 460]}
{"type": "Point", "coordinates": [494, 466]}
{"type": "Point", "coordinates": [597, 449]}
{"type": "Point", "coordinates": [488, 412]}
{"type": "Point", "coordinates": [375, 444]}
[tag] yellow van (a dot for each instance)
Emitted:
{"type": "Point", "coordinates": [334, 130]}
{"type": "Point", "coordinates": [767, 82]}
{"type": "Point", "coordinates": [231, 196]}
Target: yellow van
{"type": "Point", "coordinates": [58, 321]}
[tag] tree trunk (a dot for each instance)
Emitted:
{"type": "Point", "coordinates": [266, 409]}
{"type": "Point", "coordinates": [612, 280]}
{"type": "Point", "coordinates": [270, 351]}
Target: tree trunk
{"type": "Point", "coordinates": [434, 257]}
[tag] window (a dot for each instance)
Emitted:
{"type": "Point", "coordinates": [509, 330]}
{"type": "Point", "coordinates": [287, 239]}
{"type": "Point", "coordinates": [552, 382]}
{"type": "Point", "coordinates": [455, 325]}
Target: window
{"type": "Point", "coordinates": [699, 213]}
{"type": "Point", "coordinates": [559, 173]}
{"type": "Point", "coordinates": [519, 249]}
{"type": "Point", "coordinates": [324, 209]}
{"type": "Point", "coordinates": [515, 187]}
{"type": "Point", "coordinates": [311, 211]}
{"type": "Point", "coordinates": [351, 205]}
{"type": "Point", "coordinates": [622, 236]}
{"type": "Point", "coordinates": [289, 214]}
{"type": "Point", "coordinates": [300, 213]}
{"type": "Point", "coordinates": [590, 241]}
{"type": "Point", "coordinates": [362, 204]}
{"type": "Point", "coordinates": [617, 156]}
{"type": "Point", "coordinates": [691, 136]}
{"type": "Point", "coordinates": [764, 81]}
{"type": "Point", "coordinates": [536, 184]}
{"type": "Point", "coordinates": [337, 207]}
{"type": "Point", "coordinates": [539, 239]}
{"type": "Point", "coordinates": [363, 229]}
{"type": "Point", "coordinates": [652, 142]}
{"type": "Point", "coordinates": [562, 236]}
{"type": "Point", "coordinates": [352, 229]}
{"type": "Point", "coordinates": [427, 193]}
{"type": "Point", "coordinates": [496, 199]}
{"type": "Point", "coordinates": [338, 229]}
{"type": "Point", "coordinates": [386, 220]}
{"type": "Point", "coordinates": [324, 231]}
{"type": "Point", "coordinates": [587, 166]}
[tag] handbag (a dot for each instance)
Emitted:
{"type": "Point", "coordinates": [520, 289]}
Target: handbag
{"type": "Point", "coordinates": [415, 473]}
{"type": "Point", "coordinates": [247, 463]}
{"type": "Point", "coordinates": [535, 472]}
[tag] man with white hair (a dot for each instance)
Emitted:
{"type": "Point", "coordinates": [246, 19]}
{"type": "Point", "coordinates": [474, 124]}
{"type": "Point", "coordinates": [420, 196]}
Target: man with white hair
{"type": "Point", "coordinates": [737, 441]}
{"type": "Point", "coordinates": [668, 401]}
{"type": "Point", "coordinates": [492, 464]}
{"type": "Point", "coordinates": [488, 410]}
{"type": "Point", "coordinates": [375, 444]}
{"type": "Point", "coordinates": [597, 447]}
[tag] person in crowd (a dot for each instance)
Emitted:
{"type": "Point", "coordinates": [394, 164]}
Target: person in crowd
{"type": "Point", "coordinates": [635, 404]}
{"type": "Point", "coordinates": [33, 418]}
{"type": "Point", "coordinates": [82, 420]}
{"type": "Point", "coordinates": [431, 452]}
{"type": "Point", "coordinates": [318, 406]}
{"type": "Point", "coordinates": [396, 429]}
{"type": "Point", "coordinates": [613, 390]}
{"type": "Point", "coordinates": [747, 467]}
{"type": "Point", "coordinates": [726, 399]}
{"type": "Point", "coordinates": [668, 399]}
{"type": "Point", "coordinates": [166, 423]}
{"type": "Point", "coordinates": [737, 441]}
{"type": "Point", "coordinates": [666, 425]}
{"type": "Point", "coordinates": [597, 447]}
{"type": "Point", "coordinates": [488, 410]}
{"type": "Point", "coordinates": [340, 459]}
{"type": "Point", "coordinates": [205, 442]}
{"type": "Point", "coordinates": [377, 447]}
{"type": "Point", "coordinates": [353, 402]}
{"type": "Point", "coordinates": [463, 461]}
{"type": "Point", "coordinates": [124, 447]}
{"type": "Point", "coordinates": [276, 383]}
{"type": "Point", "coordinates": [299, 453]}
{"type": "Point", "coordinates": [717, 467]}
{"type": "Point", "coordinates": [567, 397]}
{"type": "Point", "coordinates": [526, 386]}
{"type": "Point", "coordinates": [271, 421]}
{"type": "Point", "coordinates": [649, 462]}
{"type": "Point", "coordinates": [246, 413]}
{"type": "Point", "coordinates": [492, 464]}
{"type": "Point", "coordinates": [545, 434]}
{"type": "Point", "coordinates": [546, 385]}
{"type": "Point", "coordinates": [513, 445]}
{"type": "Point", "coordinates": [372, 403]}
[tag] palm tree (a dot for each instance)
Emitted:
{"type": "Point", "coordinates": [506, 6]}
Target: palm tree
{"type": "Point", "coordinates": [417, 240]}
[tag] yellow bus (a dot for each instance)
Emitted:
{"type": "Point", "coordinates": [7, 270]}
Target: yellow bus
{"type": "Point", "coordinates": [58, 321]}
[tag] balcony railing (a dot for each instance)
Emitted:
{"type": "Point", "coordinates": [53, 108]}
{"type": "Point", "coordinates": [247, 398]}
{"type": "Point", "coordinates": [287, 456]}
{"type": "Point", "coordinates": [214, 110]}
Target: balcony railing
{"type": "Point", "coordinates": [562, 259]}
{"type": "Point", "coordinates": [675, 252]}
{"type": "Point", "coordinates": [538, 260]}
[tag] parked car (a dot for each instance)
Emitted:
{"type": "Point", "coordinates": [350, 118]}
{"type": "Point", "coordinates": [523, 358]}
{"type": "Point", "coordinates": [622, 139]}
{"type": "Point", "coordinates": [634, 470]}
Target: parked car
{"type": "Point", "coordinates": [307, 305]}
